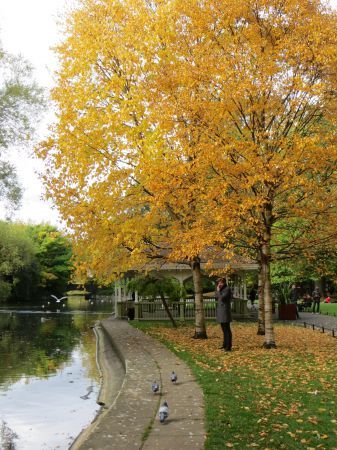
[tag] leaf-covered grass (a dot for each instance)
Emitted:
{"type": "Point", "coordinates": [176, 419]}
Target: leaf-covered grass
{"type": "Point", "coordinates": [255, 398]}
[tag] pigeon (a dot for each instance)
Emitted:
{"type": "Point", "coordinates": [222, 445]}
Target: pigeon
{"type": "Point", "coordinates": [155, 387]}
{"type": "Point", "coordinates": [174, 377]}
{"type": "Point", "coordinates": [163, 412]}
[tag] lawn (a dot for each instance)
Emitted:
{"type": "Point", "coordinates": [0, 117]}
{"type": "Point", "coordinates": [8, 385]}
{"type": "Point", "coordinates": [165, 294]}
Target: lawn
{"type": "Point", "coordinates": [329, 308]}
{"type": "Point", "coordinates": [265, 399]}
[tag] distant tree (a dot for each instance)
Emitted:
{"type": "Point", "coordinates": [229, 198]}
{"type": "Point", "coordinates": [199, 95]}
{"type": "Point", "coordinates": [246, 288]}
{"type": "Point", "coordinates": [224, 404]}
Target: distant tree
{"type": "Point", "coordinates": [53, 257]}
{"type": "Point", "coordinates": [34, 260]}
{"type": "Point", "coordinates": [208, 285]}
{"type": "Point", "coordinates": [21, 101]}
{"type": "Point", "coordinates": [10, 190]}
{"type": "Point", "coordinates": [17, 253]}
{"type": "Point", "coordinates": [153, 286]}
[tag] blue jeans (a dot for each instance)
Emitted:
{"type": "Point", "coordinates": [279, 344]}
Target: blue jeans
{"type": "Point", "coordinates": [315, 304]}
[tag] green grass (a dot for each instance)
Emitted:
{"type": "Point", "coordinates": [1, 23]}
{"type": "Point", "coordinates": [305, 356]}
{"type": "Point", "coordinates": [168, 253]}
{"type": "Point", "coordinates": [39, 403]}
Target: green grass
{"type": "Point", "coordinates": [267, 400]}
{"type": "Point", "coordinates": [329, 308]}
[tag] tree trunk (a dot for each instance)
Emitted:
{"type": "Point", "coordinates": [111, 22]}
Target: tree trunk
{"type": "Point", "coordinates": [268, 306]}
{"type": "Point", "coordinates": [321, 285]}
{"type": "Point", "coordinates": [200, 323]}
{"type": "Point", "coordinates": [167, 309]}
{"type": "Point", "coordinates": [261, 316]}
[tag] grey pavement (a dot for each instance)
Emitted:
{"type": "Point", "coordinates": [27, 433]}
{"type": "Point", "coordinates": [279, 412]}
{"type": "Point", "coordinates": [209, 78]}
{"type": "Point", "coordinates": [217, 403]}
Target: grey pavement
{"type": "Point", "coordinates": [130, 361]}
{"type": "Point", "coordinates": [129, 417]}
{"type": "Point", "coordinates": [320, 321]}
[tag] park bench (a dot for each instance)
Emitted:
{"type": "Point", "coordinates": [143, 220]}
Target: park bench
{"type": "Point", "coordinates": [304, 305]}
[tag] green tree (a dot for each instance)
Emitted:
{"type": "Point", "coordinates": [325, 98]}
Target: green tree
{"type": "Point", "coordinates": [53, 257]}
{"type": "Point", "coordinates": [153, 286]}
{"type": "Point", "coordinates": [17, 253]}
{"type": "Point", "coordinates": [21, 101]}
{"type": "Point", "coordinates": [34, 260]}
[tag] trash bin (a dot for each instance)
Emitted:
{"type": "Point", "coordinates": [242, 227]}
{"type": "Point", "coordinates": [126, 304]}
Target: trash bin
{"type": "Point", "coordinates": [287, 311]}
{"type": "Point", "coordinates": [130, 313]}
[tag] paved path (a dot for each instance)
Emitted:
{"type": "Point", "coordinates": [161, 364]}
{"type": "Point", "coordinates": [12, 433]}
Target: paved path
{"type": "Point", "coordinates": [129, 419]}
{"type": "Point", "coordinates": [130, 361]}
{"type": "Point", "coordinates": [318, 320]}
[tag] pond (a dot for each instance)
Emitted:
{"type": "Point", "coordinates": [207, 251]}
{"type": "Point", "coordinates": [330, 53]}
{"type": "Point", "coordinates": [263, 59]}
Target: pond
{"type": "Point", "coordinates": [49, 379]}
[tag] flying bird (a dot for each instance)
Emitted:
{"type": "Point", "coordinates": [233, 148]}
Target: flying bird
{"type": "Point", "coordinates": [174, 377]}
{"type": "Point", "coordinates": [155, 387]}
{"type": "Point", "coordinates": [163, 412]}
{"type": "Point", "coordinates": [58, 299]}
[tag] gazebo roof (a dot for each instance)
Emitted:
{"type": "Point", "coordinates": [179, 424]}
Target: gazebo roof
{"type": "Point", "coordinates": [236, 263]}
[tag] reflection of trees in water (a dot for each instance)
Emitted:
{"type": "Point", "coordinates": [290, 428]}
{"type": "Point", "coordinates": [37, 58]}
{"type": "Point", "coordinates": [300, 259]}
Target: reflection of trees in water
{"type": "Point", "coordinates": [7, 437]}
{"type": "Point", "coordinates": [88, 354]}
{"type": "Point", "coordinates": [31, 347]}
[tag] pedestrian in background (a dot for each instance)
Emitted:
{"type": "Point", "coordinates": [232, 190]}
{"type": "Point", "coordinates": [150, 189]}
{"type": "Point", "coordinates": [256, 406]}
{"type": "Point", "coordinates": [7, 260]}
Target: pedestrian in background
{"type": "Point", "coordinates": [316, 298]}
{"type": "Point", "coordinates": [252, 296]}
{"type": "Point", "coordinates": [294, 298]}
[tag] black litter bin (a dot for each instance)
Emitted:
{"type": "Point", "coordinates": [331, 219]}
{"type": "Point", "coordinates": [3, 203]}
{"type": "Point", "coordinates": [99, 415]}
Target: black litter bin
{"type": "Point", "coordinates": [131, 313]}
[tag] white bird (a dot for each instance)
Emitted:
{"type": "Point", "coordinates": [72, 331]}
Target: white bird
{"type": "Point", "coordinates": [155, 387]}
{"type": "Point", "coordinates": [174, 377]}
{"type": "Point", "coordinates": [58, 299]}
{"type": "Point", "coordinates": [163, 412]}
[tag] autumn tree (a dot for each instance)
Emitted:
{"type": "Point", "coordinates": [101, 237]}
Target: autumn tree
{"type": "Point", "coordinates": [185, 126]}
{"type": "Point", "coordinates": [257, 79]}
{"type": "Point", "coordinates": [131, 192]}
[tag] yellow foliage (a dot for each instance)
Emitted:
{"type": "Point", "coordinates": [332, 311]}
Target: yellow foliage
{"type": "Point", "coordinates": [185, 126]}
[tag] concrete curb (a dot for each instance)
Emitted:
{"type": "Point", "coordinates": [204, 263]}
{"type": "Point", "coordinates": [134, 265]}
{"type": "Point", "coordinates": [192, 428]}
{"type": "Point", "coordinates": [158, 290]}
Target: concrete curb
{"type": "Point", "coordinates": [112, 368]}
{"type": "Point", "coordinates": [130, 421]}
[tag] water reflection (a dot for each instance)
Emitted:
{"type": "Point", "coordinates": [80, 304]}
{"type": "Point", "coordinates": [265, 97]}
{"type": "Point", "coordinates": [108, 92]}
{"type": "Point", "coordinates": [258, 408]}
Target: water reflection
{"type": "Point", "coordinates": [49, 380]}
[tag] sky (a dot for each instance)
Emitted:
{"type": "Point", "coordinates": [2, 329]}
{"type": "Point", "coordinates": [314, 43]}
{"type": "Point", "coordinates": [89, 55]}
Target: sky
{"type": "Point", "coordinates": [29, 28]}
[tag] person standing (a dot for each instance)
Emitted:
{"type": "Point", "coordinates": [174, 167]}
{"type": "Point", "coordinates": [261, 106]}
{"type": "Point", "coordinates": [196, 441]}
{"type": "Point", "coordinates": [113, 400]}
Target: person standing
{"type": "Point", "coordinates": [294, 298]}
{"type": "Point", "coordinates": [316, 298]}
{"type": "Point", "coordinates": [223, 295]}
{"type": "Point", "coordinates": [252, 296]}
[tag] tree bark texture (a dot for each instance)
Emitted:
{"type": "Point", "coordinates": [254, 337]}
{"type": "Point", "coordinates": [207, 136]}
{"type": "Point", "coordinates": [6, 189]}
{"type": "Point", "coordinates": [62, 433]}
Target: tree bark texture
{"type": "Point", "coordinates": [200, 323]}
{"type": "Point", "coordinates": [167, 309]}
{"type": "Point", "coordinates": [261, 316]}
{"type": "Point", "coordinates": [265, 267]}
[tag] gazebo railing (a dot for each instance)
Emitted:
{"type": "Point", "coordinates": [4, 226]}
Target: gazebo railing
{"type": "Point", "coordinates": [182, 310]}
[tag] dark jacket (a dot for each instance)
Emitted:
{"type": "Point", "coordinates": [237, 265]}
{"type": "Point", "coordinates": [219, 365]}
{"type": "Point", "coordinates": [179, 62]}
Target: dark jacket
{"type": "Point", "coordinates": [316, 295]}
{"type": "Point", "coordinates": [293, 295]}
{"type": "Point", "coordinates": [223, 309]}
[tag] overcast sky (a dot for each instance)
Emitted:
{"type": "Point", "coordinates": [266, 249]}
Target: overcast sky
{"type": "Point", "coordinates": [29, 28]}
